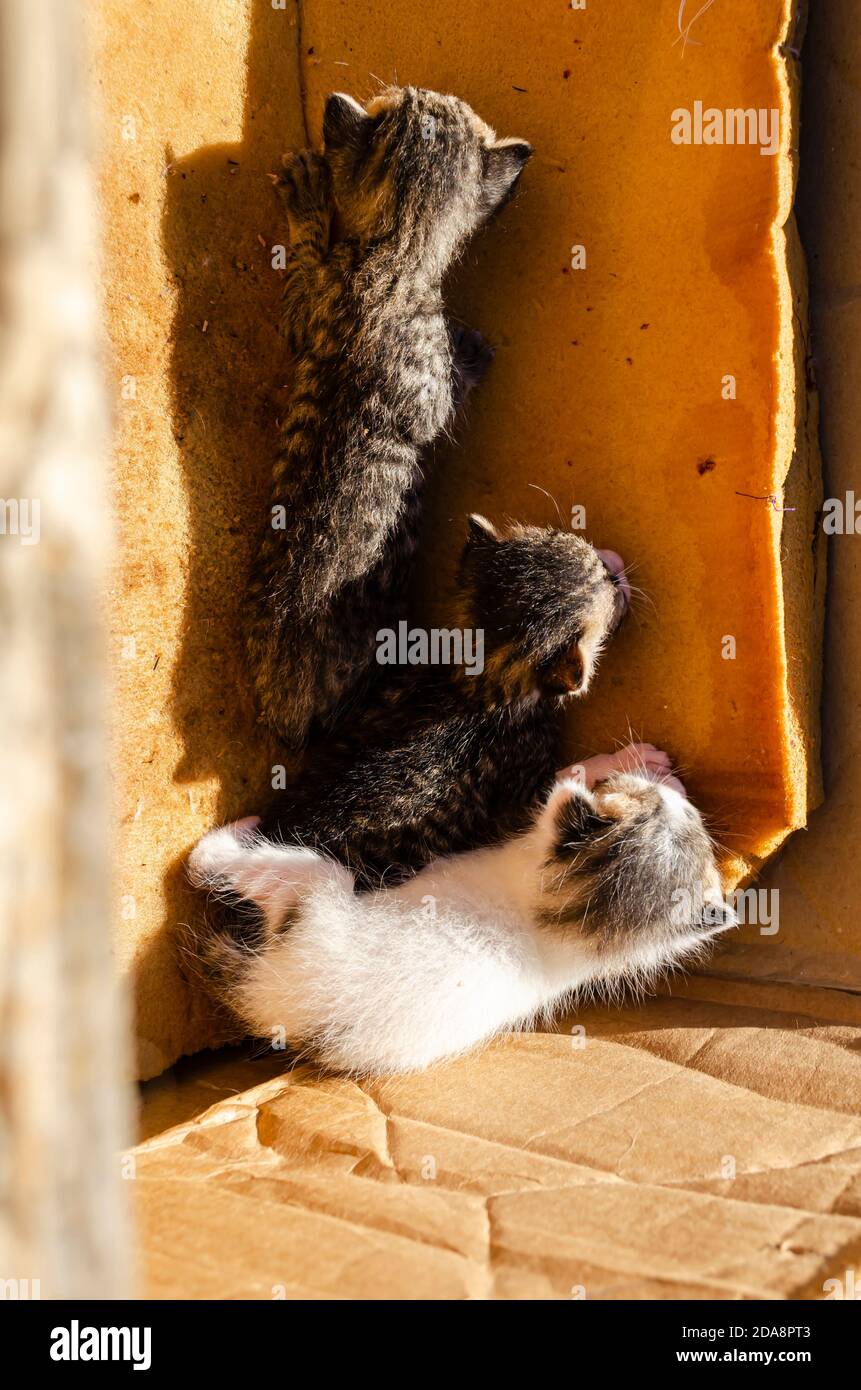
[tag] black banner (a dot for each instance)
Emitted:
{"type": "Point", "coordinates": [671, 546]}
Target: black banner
{"type": "Point", "coordinates": [252, 1338]}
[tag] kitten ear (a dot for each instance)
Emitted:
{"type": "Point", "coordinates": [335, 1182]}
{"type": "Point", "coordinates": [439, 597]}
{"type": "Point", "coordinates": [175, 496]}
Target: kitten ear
{"type": "Point", "coordinates": [480, 531]}
{"type": "Point", "coordinates": [573, 816]}
{"type": "Point", "coordinates": [344, 121]}
{"type": "Point", "coordinates": [503, 165]}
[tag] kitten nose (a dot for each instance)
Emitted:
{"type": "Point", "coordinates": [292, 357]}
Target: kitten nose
{"type": "Point", "coordinates": [616, 565]}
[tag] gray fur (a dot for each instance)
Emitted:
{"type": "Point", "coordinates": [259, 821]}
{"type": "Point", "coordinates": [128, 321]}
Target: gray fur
{"type": "Point", "coordinates": [624, 858]}
{"type": "Point", "coordinates": [440, 761]}
{"type": "Point", "coordinates": [374, 224]}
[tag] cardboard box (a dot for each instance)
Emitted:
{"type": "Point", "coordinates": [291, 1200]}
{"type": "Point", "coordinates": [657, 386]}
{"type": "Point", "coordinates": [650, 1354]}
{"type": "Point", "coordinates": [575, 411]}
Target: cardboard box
{"type": "Point", "coordinates": [659, 388]}
{"type": "Point", "coordinates": [702, 1145]}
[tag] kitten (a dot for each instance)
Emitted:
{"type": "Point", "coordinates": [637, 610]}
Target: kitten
{"type": "Point", "coordinates": [607, 886]}
{"type": "Point", "coordinates": [374, 224]}
{"type": "Point", "coordinates": [441, 760]}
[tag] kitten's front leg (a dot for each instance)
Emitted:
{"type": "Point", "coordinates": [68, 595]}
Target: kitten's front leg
{"type": "Point", "coordinates": [470, 358]}
{"type": "Point", "coordinates": [636, 757]}
{"type": "Point", "coordinates": [305, 186]}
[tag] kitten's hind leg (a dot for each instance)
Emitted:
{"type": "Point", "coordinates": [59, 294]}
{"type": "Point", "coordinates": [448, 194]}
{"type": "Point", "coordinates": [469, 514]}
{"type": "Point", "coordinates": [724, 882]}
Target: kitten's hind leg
{"type": "Point", "coordinates": [471, 357]}
{"type": "Point", "coordinates": [235, 860]}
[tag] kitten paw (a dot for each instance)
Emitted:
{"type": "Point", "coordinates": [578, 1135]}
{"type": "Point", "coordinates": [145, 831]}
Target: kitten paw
{"type": "Point", "coordinates": [644, 758]}
{"type": "Point", "coordinates": [305, 185]}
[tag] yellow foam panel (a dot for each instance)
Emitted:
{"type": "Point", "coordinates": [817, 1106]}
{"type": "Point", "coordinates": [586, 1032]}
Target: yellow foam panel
{"type": "Point", "coordinates": [645, 296]}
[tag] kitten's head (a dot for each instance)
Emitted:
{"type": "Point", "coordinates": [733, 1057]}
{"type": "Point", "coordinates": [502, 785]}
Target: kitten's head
{"type": "Point", "coordinates": [546, 600]}
{"type": "Point", "coordinates": [417, 165]}
{"type": "Point", "coordinates": [629, 870]}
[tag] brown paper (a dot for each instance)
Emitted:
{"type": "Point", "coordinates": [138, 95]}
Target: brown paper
{"type": "Point", "coordinates": [706, 1145]}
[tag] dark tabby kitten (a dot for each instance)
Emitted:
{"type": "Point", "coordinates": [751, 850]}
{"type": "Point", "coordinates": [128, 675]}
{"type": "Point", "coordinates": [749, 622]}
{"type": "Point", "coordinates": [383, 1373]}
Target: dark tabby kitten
{"type": "Point", "coordinates": [374, 224]}
{"type": "Point", "coordinates": [441, 760]}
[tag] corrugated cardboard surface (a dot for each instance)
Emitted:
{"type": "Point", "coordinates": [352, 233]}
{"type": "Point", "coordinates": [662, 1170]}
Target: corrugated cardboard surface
{"type": "Point", "coordinates": [818, 877]}
{"type": "Point", "coordinates": [702, 1146]}
{"type": "Point", "coordinates": [606, 390]}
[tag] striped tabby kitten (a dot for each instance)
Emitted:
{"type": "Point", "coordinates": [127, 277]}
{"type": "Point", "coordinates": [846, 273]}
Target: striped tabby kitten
{"type": "Point", "coordinates": [604, 886]}
{"type": "Point", "coordinates": [440, 760]}
{"type": "Point", "coordinates": [374, 224]}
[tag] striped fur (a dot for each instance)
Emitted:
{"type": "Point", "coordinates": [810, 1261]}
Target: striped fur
{"type": "Point", "coordinates": [374, 223]}
{"type": "Point", "coordinates": [439, 760]}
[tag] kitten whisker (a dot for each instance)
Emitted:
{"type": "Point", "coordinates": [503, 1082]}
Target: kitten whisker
{"type": "Point", "coordinates": [552, 499]}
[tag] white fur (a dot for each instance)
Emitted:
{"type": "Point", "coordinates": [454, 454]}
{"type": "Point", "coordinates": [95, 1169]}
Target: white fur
{"type": "Point", "coordinates": [395, 979]}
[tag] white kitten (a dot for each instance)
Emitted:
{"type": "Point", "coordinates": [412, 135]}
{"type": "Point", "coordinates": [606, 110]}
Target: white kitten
{"type": "Point", "coordinates": [608, 885]}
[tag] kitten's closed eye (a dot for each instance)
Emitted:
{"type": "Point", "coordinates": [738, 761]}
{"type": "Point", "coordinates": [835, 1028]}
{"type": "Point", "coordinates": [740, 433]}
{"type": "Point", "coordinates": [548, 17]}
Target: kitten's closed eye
{"type": "Point", "coordinates": [545, 597]}
{"type": "Point", "coordinates": [566, 676]}
{"type": "Point", "coordinates": [717, 915]}
{"type": "Point", "coordinates": [632, 866]}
